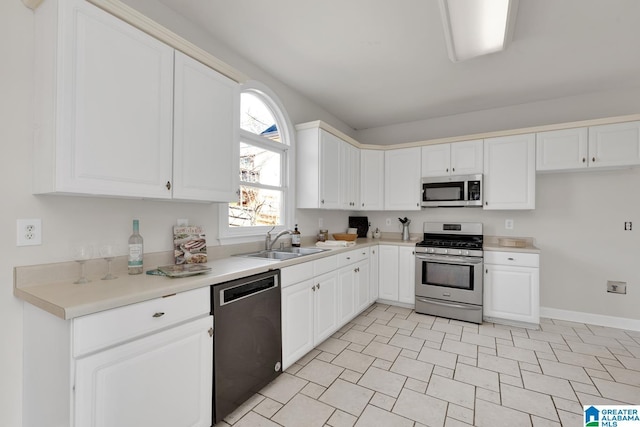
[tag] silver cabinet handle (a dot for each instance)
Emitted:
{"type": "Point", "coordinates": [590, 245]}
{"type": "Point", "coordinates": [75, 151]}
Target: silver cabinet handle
{"type": "Point", "coordinates": [511, 259]}
{"type": "Point", "coordinates": [159, 314]}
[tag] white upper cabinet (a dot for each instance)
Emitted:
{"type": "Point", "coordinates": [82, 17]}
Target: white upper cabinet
{"type": "Point", "coordinates": [614, 145]}
{"type": "Point", "coordinates": [458, 158]}
{"type": "Point", "coordinates": [350, 186]}
{"type": "Point", "coordinates": [467, 157]}
{"type": "Point", "coordinates": [104, 95]}
{"type": "Point", "coordinates": [318, 169]}
{"type": "Point", "coordinates": [605, 146]}
{"type": "Point", "coordinates": [562, 149]}
{"type": "Point", "coordinates": [371, 179]}
{"type": "Point", "coordinates": [206, 123]}
{"type": "Point", "coordinates": [510, 172]}
{"type": "Point", "coordinates": [104, 123]}
{"type": "Point", "coordinates": [402, 179]}
{"type": "Point", "coordinates": [328, 170]}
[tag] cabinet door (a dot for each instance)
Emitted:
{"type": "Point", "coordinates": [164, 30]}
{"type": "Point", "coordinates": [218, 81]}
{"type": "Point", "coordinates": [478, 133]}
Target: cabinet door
{"type": "Point", "coordinates": [206, 123]}
{"type": "Point", "coordinates": [374, 273]}
{"type": "Point", "coordinates": [115, 107]}
{"type": "Point", "coordinates": [467, 157]}
{"type": "Point", "coordinates": [614, 145]}
{"type": "Point", "coordinates": [371, 179]}
{"type": "Point", "coordinates": [297, 321]}
{"type": "Point", "coordinates": [509, 172]}
{"type": "Point", "coordinates": [326, 307]}
{"type": "Point", "coordinates": [346, 294]}
{"type": "Point", "coordinates": [512, 293]}
{"type": "Point", "coordinates": [350, 159]}
{"type": "Point", "coordinates": [330, 171]}
{"type": "Point", "coordinates": [436, 160]}
{"type": "Point", "coordinates": [388, 277]}
{"type": "Point", "coordinates": [402, 179]}
{"type": "Point", "coordinates": [406, 274]}
{"type": "Point", "coordinates": [562, 149]}
{"type": "Point", "coordinates": [362, 285]}
{"type": "Point", "coordinates": [164, 380]}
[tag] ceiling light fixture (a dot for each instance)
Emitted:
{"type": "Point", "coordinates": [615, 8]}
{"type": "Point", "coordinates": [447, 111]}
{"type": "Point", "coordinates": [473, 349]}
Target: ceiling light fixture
{"type": "Point", "coordinates": [477, 27]}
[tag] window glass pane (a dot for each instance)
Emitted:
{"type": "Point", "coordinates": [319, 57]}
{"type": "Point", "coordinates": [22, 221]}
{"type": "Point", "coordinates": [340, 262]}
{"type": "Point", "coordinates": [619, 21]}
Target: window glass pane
{"type": "Point", "coordinates": [256, 207]}
{"type": "Point", "coordinates": [257, 118]}
{"type": "Point", "coordinates": [259, 165]}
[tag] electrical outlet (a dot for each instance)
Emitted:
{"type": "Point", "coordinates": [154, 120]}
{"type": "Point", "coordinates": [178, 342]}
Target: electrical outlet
{"type": "Point", "coordinates": [29, 232]}
{"type": "Point", "coordinates": [320, 223]}
{"type": "Point", "coordinates": [387, 221]}
{"type": "Point", "coordinates": [627, 225]}
{"type": "Point", "coordinates": [616, 287]}
{"type": "Point", "coordinates": [508, 224]}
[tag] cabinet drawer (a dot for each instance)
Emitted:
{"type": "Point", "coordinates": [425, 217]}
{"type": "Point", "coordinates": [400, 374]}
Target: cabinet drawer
{"type": "Point", "coordinates": [521, 259]}
{"type": "Point", "coordinates": [350, 257]}
{"type": "Point", "coordinates": [107, 328]}
{"type": "Point", "coordinates": [296, 273]}
{"type": "Point", "coordinates": [325, 265]}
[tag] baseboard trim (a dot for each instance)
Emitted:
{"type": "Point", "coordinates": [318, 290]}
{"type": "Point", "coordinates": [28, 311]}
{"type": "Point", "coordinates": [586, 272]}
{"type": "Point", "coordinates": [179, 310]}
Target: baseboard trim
{"type": "Point", "coordinates": [592, 319]}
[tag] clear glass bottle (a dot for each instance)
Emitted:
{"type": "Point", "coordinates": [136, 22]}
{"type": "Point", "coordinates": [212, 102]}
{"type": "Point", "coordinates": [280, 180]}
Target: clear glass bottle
{"type": "Point", "coordinates": [136, 250]}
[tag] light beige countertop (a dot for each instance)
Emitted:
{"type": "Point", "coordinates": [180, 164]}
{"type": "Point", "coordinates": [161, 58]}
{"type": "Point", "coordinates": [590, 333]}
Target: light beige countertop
{"type": "Point", "coordinates": [492, 243]}
{"type": "Point", "coordinates": [51, 288]}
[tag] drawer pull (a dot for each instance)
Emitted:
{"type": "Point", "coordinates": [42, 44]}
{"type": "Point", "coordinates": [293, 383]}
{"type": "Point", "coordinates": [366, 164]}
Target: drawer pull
{"type": "Point", "coordinates": [159, 314]}
{"type": "Point", "coordinates": [511, 259]}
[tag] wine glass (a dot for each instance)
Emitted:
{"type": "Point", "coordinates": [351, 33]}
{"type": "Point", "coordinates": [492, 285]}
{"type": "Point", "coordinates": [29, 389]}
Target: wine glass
{"type": "Point", "coordinates": [82, 253]}
{"type": "Point", "coordinates": [108, 253]}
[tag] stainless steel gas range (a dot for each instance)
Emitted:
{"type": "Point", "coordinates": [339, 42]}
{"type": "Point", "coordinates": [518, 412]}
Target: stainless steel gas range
{"type": "Point", "coordinates": [449, 264]}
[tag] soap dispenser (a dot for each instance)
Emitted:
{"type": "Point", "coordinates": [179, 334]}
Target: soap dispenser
{"type": "Point", "coordinates": [295, 237]}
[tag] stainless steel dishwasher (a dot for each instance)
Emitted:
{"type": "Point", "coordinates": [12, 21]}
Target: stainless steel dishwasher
{"type": "Point", "coordinates": [247, 340]}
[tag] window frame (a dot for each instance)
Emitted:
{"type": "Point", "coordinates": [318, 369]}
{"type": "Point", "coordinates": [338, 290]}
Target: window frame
{"type": "Point", "coordinates": [229, 235]}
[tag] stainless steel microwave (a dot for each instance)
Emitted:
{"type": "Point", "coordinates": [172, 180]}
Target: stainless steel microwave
{"type": "Point", "coordinates": [452, 191]}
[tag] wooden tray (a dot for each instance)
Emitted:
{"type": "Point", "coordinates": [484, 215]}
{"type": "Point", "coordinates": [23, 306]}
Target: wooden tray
{"type": "Point", "coordinates": [345, 236]}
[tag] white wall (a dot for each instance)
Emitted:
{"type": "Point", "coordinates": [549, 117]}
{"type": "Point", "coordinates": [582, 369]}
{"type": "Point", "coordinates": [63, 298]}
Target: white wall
{"type": "Point", "coordinates": [561, 200]}
{"type": "Point", "coordinates": [596, 105]}
{"type": "Point", "coordinates": [578, 224]}
{"type": "Point", "coordinates": [68, 219]}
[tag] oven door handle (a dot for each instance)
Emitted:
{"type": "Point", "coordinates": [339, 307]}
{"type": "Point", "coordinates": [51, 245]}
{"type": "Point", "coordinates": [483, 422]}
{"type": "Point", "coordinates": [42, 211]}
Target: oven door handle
{"type": "Point", "coordinates": [448, 304]}
{"type": "Point", "coordinates": [452, 259]}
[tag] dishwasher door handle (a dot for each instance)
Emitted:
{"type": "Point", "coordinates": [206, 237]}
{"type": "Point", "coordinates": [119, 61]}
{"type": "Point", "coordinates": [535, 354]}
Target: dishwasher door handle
{"type": "Point", "coordinates": [248, 289]}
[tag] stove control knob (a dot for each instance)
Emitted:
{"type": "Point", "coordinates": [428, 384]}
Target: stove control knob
{"type": "Point", "coordinates": [445, 251]}
{"type": "Point", "coordinates": [465, 253]}
{"type": "Point", "coordinates": [430, 250]}
{"type": "Point", "coordinates": [457, 252]}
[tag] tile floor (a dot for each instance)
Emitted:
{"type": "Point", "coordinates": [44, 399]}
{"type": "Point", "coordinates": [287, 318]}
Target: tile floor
{"type": "Point", "coordinates": [392, 367]}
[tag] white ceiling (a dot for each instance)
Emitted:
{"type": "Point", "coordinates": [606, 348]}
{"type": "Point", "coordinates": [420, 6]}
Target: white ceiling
{"type": "Point", "coordinates": [379, 62]}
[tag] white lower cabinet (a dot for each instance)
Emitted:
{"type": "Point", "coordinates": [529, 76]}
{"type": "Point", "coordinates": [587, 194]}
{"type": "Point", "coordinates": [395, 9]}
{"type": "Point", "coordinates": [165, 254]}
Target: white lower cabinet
{"type": "Point", "coordinates": [160, 380]}
{"type": "Point", "coordinates": [92, 371]}
{"type": "Point", "coordinates": [397, 274]}
{"type": "Point", "coordinates": [319, 297]}
{"type": "Point", "coordinates": [297, 321]}
{"type": "Point", "coordinates": [374, 263]}
{"type": "Point", "coordinates": [511, 287]}
{"type": "Point", "coordinates": [326, 306]}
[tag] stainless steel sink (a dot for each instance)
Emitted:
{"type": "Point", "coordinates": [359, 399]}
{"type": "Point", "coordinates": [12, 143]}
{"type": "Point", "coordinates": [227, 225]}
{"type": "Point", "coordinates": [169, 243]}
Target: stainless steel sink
{"type": "Point", "coordinates": [282, 254]}
{"type": "Point", "coordinates": [301, 251]}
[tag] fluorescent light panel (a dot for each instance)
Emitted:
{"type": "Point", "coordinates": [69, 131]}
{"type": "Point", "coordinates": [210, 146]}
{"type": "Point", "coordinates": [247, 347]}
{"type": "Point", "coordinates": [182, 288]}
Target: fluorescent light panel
{"type": "Point", "coordinates": [476, 27]}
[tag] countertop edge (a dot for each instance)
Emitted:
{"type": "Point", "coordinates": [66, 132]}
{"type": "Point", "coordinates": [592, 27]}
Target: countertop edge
{"type": "Point", "coordinates": [67, 300]}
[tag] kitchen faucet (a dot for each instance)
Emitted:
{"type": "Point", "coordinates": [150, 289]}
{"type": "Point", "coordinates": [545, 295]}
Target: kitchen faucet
{"type": "Point", "coordinates": [268, 243]}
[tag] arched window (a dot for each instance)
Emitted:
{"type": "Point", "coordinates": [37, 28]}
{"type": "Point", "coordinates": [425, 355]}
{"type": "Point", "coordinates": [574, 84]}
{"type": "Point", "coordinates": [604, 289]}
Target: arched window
{"type": "Point", "coordinates": [265, 148]}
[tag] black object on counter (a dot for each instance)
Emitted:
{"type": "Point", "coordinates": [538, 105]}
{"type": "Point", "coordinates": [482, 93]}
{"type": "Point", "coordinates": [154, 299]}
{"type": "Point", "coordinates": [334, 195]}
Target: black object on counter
{"type": "Point", "coordinates": [361, 223]}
